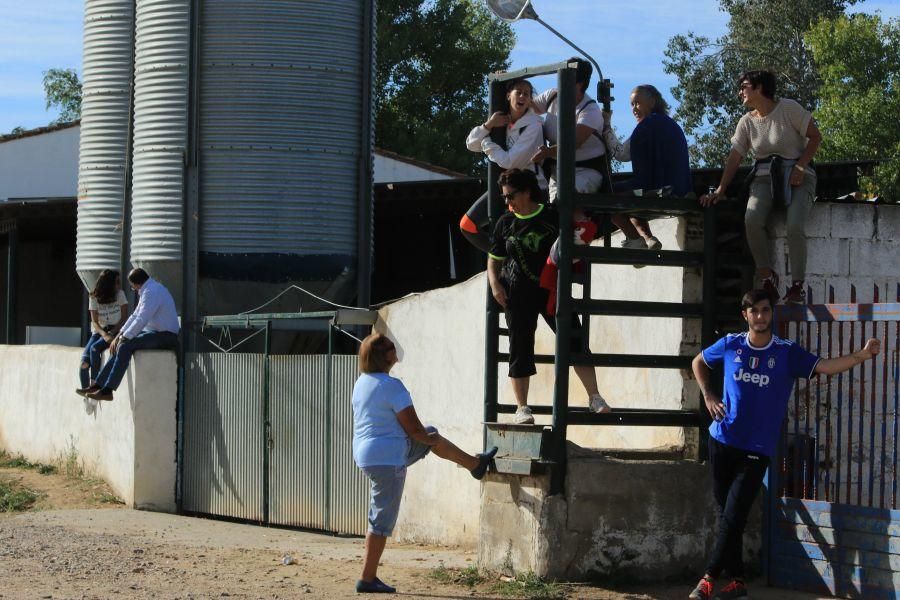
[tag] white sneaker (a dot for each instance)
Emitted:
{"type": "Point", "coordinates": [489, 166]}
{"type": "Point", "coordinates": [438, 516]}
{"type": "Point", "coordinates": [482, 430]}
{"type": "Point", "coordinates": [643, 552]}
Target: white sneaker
{"type": "Point", "coordinates": [523, 416]}
{"type": "Point", "coordinates": [598, 404]}
{"type": "Point", "coordinates": [653, 243]}
{"type": "Point", "coordinates": [634, 244]}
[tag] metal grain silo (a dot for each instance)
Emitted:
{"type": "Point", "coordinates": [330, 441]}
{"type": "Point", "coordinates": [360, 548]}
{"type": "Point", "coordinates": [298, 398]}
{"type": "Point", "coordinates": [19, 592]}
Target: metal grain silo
{"type": "Point", "coordinates": [105, 121]}
{"type": "Point", "coordinates": [285, 148]}
{"type": "Point", "coordinates": [162, 51]}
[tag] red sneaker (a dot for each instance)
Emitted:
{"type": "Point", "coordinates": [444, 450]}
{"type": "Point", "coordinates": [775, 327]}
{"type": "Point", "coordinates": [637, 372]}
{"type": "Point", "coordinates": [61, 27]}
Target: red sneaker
{"type": "Point", "coordinates": [703, 591]}
{"type": "Point", "coordinates": [735, 589]}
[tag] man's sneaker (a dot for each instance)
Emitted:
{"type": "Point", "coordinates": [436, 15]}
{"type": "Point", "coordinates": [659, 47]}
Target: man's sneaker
{"type": "Point", "coordinates": [88, 390]}
{"type": "Point", "coordinates": [735, 589]}
{"type": "Point", "coordinates": [653, 243]}
{"type": "Point", "coordinates": [101, 394]}
{"type": "Point", "coordinates": [376, 586]}
{"type": "Point", "coordinates": [598, 404]}
{"type": "Point", "coordinates": [634, 244]}
{"type": "Point", "coordinates": [770, 284]}
{"type": "Point", "coordinates": [795, 294]}
{"type": "Point", "coordinates": [523, 416]}
{"type": "Point", "coordinates": [484, 461]}
{"type": "Point", "coordinates": [703, 591]}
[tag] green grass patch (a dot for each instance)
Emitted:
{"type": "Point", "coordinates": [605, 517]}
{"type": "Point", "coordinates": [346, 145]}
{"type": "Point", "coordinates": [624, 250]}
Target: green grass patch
{"type": "Point", "coordinates": [469, 577]}
{"type": "Point", "coordinates": [8, 461]}
{"type": "Point", "coordinates": [529, 585]}
{"type": "Point", "coordinates": [15, 498]}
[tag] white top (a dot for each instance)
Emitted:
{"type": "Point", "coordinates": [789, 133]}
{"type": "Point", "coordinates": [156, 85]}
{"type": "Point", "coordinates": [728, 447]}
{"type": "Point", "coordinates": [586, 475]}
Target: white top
{"type": "Point", "coordinates": [523, 139]}
{"type": "Point", "coordinates": [107, 314]}
{"type": "Point", "coordinates": [618, 149]}
{"type": "Point", "coordinates": [587, 112]}
{"type": "Point", "coordinates": [155, 311]}
{"type": "Point", "coordinates": [781, 132]}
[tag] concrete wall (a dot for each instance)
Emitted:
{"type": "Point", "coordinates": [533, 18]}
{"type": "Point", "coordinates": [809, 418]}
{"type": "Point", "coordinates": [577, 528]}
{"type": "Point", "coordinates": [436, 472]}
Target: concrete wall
{"type": "Point", "coordinates": [644, 520]}
{"type": "Point", "coordinates": [129, 442]}
{"type": "Point", "coordinates": [40, 166]}
{"type": "Point", "coordinates": [849, 244]}
{"type": "Point", "coordinates": [391, 170]}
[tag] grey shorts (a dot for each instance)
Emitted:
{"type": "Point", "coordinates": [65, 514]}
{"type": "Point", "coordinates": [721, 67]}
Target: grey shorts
{"type": "Point", "coordinates": [386, 489]}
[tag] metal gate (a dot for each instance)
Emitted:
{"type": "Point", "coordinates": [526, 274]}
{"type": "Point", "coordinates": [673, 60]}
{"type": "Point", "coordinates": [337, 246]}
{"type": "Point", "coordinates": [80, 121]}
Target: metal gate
{"type": "Point", "coordinates": [268, 439]}
{"type": "Point", "coordinates": [833, 523]}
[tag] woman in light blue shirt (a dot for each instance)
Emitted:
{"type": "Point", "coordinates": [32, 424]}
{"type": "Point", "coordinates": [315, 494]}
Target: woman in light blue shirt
{"type": "Point", "coordinates": [387, 438]}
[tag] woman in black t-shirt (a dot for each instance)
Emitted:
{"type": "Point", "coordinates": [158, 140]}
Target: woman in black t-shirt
{"type": "Point", "coordinates": [520, 244]}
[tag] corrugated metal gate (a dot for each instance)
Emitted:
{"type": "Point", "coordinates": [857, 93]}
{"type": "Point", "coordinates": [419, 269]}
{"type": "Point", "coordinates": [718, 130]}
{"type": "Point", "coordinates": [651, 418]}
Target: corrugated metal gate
{"type": "Point", "coordinates": [834, 523]}
{"type": "Point", "coordinates": [268, 439]}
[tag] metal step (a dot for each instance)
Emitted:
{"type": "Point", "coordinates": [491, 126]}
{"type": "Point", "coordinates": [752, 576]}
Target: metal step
{"type": "Point", "coordinates": [648, 417]}
{"type": "Point", "coordinates": [617, 203]}
{"type": "Point", "coordinates": [637, 361]}
{"type": "Point", "coordinates": [635, 308]}
{"type": "Point", "coordinates": [626, 256]}
{"type": "Point", "coordinates": [521, 449]}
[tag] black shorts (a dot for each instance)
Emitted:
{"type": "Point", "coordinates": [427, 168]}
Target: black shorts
{"type": "Point", "coordinates": [524, 304]}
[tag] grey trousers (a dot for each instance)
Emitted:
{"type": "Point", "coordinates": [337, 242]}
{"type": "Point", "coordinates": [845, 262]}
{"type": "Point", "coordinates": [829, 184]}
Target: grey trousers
{"type": "Point", "coordinates": [758, 208]}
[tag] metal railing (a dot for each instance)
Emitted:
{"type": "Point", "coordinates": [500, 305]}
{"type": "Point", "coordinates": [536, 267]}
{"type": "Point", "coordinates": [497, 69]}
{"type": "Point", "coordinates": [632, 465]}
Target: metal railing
{"type": "Point", "coordinates": [841, 433]}
{"type": "Point", "coordinates": [609, 203]}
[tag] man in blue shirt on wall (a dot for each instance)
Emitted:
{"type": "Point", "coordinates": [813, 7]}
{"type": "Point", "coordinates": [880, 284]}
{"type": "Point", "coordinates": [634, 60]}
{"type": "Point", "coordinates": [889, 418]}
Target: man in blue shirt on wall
{"type": "Point", "coordinates": [760, 369]}
{"type": "Point", "coordinates": [152, 326]}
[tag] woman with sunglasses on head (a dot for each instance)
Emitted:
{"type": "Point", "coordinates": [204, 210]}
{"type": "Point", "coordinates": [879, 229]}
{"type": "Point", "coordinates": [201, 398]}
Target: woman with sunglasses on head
{"type": "Point", "coordinates": [524, 136]}
{"type": "Point", "coordinates": [387, 438]}
{"type": "Point", "coordinates": [108, 308]}
{"type": "Point", "coordinates": [520, 245]}
{"type": "Point", "coordinates": [783, 138]}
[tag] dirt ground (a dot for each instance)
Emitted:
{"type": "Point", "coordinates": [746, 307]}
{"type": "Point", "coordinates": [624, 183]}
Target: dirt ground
{"type": "Point", "coordinates": [67, 547]}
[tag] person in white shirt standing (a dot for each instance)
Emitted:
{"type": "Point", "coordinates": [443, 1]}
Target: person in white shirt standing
{"type": "Point", "coordinates": [153, 326]}
{"type": "Point", "coordinates": [108, 308]}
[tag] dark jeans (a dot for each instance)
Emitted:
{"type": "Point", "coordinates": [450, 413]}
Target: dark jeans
{"type": "Point", "coordinates": [116, 367]}
{"type": "Point", "coordinates": [92, 355]}
{"type": "Point", "coordinates": [737, 477]}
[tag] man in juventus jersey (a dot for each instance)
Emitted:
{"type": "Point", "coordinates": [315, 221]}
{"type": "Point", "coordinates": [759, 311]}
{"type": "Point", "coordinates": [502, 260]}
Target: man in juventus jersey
{"type": "Point", "coordinates": [760, 369]}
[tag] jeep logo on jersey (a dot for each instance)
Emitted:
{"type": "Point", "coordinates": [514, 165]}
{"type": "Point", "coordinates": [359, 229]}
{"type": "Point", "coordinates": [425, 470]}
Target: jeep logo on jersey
{"type": "Point", "coordinates": [760, 380]}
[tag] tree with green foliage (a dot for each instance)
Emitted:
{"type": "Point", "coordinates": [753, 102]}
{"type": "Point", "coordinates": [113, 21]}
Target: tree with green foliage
{"type": "Point", "coordinates": [63, 89]}
{"type": "Point", "coordinates": [433, 59]}
{"type": "Point", "coordinates": [762, 34]}
{"type": "Point", "coordinates": [858, 59]}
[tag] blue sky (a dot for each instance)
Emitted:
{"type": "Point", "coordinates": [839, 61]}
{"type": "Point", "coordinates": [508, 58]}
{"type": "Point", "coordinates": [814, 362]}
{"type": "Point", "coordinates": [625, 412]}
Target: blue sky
{"type": "Point", "coordinates": [626, 38]}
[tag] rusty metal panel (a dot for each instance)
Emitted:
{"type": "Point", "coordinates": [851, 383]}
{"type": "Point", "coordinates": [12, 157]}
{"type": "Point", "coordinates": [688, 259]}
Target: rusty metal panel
{"type": "Point", "coordinates": [349, 487]}
{"type": "Point", "coordinates": [223, 435]}
{"type": "Point", "coordinates": [298, 407]}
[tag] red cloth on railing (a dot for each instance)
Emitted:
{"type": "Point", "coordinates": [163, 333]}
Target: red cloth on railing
{"type": "Point", "coordinates": [585, 230]}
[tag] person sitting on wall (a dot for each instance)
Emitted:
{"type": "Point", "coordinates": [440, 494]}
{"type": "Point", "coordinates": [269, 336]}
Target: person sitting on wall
{"type": "Point", "coordinates": [152, 326]}
{"type": "Point", "coordinates": [657, 150]}
{"type": "Point", "coordinates": [590, 162]}
{"type": "Point", "coordinates": [760, 369]}
{"type": "Point", "coordinates": [108, 308]}
{"type": "Point", "coordinates": [387, 438]}
{"type": "Point", "coordinates": [524, 135]}
{"type": "Point", "coordinates": [520, 245]}
{"type": "Point", "coordinates": [783, 138]}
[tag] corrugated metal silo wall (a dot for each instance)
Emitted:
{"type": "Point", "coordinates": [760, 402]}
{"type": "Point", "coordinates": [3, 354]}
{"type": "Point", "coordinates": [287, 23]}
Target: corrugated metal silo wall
{"type": "Point", "coordinates": [162, 42]}
{"type": "Point", "coordinates": [105, 122]}
{"type": "Point", "coordinates": [280, 139]}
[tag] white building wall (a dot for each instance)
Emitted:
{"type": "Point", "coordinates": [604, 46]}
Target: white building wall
{"type": "Point", "coordinates": [40, 166]}
{"type": "Point", "coordinates": [129, 442]}
{"type": "Point", "coordinates": [391, 170]}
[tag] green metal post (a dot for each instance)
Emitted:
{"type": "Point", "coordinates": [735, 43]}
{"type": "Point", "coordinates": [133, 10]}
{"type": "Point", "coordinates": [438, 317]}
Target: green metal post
{"type": "Point", "coordinates": [492, 310]}
{"type": "Point", "coordinates": [329, 400]}
{"type": "Point", "coordinates": [565, 182]}
{"type": "Point", "coordinates": [11, 277]}
{"type": "Point", "coordinates": [267, 421]}
{"type": "Point", "coordinates": [708, 327]}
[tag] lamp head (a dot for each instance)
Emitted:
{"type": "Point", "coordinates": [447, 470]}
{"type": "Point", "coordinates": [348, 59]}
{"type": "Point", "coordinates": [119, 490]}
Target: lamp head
{"type": "Point", "coordinates": [512, 10]}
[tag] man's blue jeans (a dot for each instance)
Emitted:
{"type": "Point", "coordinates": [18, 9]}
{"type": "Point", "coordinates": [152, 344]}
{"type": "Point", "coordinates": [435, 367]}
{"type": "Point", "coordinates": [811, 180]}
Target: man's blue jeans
{"type": "Point", "coordinates": [92, 355]}
{"type": "Point", "coordinates": [116, 367]}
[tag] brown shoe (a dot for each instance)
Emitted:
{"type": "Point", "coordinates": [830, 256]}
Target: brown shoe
{"type": "Point", "coordinates": [88, 390]}
{"type": "Point", "coordinates": [101, 394]}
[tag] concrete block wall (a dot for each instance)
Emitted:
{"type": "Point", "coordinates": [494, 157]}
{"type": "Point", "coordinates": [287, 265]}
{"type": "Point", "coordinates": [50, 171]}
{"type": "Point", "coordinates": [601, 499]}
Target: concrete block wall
{"type": "Point", "coordinates": [848, 245]}
{"type": "Point", "coordinates": [129, 442]}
